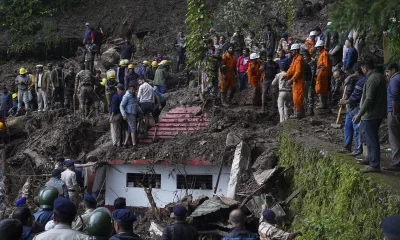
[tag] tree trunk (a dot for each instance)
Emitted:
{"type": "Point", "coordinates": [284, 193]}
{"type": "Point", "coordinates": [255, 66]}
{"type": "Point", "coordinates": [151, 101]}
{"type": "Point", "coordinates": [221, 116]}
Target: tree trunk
{"type": "Point", "coordinates": [35, 157]}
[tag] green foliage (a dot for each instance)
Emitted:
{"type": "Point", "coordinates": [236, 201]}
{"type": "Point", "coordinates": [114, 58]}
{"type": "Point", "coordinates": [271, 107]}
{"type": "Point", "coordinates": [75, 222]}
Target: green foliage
{"type": "Point", "coordinates": [290, 12]}
{"type": "Point", "coordinates": [338, 202]}
{"type": "Point", "coordinates": [23, 19]}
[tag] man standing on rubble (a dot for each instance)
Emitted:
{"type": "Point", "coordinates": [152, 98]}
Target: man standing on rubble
{"type": "Point", "coordinates": [55, 181]}
{"type": "Point", "coordinates": [57, 82]}
{"type": "Point", "coordinates": [115, 116]}
{"type": "Point", "coordinates": [180, 229]}
{"type": "Point", "coordinates": [42, 82]}
{"type": "Point", "coordinates": [84, 89]}
{"type": "Point", "coordinates": [237, 219]}
{"type": "Point", "coordinates": [69, 177]}
{"type": "Point", "coordinates": [22, 81]}
{"type": "Point", "coordinates": [123, 225]}
{"type": "Point", "coordinates": [227, 78]}
{"type": "Point", "coordinates": [323, 75]}
{"type": "Point", "coordinates": [70, 88]}
{"type": "Point", "coordinates": [268, 230]}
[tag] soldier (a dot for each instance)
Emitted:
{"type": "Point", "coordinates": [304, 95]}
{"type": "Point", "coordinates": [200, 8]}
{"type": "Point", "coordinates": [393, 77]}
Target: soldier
{"type": "Point", "coordinates": [69, 177]}
{"type": "Point", "coordinates": [46, 196]}
{"type": "Point", "coordinates": [123, 225]}
{"type": "Point", "coordinates": [81, 222]}
{"type": "Point", "coordinates": [57, 81]}
{"type": "Point", "coordinates": [100, 225]}
{"type": "Point", "coordinates": [90, 52]}
{"type": "Point", "coordinates": [64, 214]}
{"type": "Point", "coordinates": [56, 182]}
{"type": "Point", "coordinates": [22, 81]}
{"type": "Point", "coordinates": [42, 82]}
{"type": "Point", "coordinates": [84, 87]}
{"type": "Point", "coordinates": [70, 88]}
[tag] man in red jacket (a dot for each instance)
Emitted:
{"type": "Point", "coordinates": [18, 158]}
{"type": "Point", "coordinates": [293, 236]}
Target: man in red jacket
{"type": "Point", "coordinates": [242, 65]}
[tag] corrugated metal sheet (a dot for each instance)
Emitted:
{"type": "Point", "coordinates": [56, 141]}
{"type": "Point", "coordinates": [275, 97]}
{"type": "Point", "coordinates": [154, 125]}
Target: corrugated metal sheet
{"type": "Point", "coordinates": [177, 121]}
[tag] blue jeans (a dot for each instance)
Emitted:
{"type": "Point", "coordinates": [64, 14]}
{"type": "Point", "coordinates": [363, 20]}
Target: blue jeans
{"type": "Point", "coordinates": [242, 81]}
{"type": "Point", "coordinates": [371, 128]}
{"type": "Point", "coordinates": [351, 131]}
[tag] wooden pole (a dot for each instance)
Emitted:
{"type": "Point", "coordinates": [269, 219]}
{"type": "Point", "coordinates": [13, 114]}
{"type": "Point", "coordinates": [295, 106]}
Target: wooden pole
{"type": "Point", "coordinates": [219, 176]}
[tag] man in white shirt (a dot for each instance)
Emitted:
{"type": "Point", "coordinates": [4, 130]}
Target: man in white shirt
{"type": "Point", "coordinates": [69, 177]}
{"type": "Point", "coordinates": [146, 100]}
{"type": "Point", "coordinates": [41, 86]}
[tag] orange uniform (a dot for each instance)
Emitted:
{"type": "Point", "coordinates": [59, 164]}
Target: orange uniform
{"type": "Point", "coordinates": [310, 44]}
{"type": "Point", "coordinates": [228, 72]}
{"type": "Point", "coordinates": [254, 74]}
{"type": "Point", "coordinates": [324, 73]}
{"type": "Point", "coordinates": [296, 74]}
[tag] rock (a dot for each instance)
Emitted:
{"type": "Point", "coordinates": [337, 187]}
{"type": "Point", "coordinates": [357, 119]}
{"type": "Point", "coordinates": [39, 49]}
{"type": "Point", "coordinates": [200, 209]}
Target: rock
{"type": "Point", "coordinates": [248, 97]}
{"type": "Point", "coordinates": [193, 84]}
{"type": "Point", "coordinates": [267, 160]}
{"type": "Point", "coordinates": [240, 164]}
{"type": "Point", "coordinates": [263, 176]}
{"type": "Point", "coordinates": [118, 41]}
{"type": "Point", "coordinates": [109, 58]}
{"type": "Point", "coordinates": [232, 140]}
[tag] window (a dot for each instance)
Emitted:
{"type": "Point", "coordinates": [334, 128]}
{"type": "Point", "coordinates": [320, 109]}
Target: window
{"type": "Point", "coordinates": [194, 182]}
{"type": "Point", "coordinates": [139, 180]}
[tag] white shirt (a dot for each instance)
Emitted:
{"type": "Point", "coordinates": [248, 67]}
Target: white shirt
{"type": "Point", "coordinates": [69, 177]}
{"type": "Point", "coordinates": [61, 232]}
{"type": "Point", "coordinates": [40, 75]}
{"type": "Point", "coordinates": [283, 84]}
{"type": "Point", "coordinates": [145, 93]}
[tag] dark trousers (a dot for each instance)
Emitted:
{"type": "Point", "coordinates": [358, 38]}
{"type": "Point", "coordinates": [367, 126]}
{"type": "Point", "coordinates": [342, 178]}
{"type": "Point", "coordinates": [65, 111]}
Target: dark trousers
{"type": "Point", "coordinates": [371, 128]}
{"type": "Point", "coordinates": [58, 95]}
{"type": "Point", "coordinates": [394, 138]}
{"type": "Point", "coordinates": [242, 81]}
{"type": "Point", "coordinates": [181, 62]}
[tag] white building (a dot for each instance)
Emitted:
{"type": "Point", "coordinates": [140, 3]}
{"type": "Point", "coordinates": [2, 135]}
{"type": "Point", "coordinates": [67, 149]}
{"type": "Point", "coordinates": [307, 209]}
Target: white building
{"type": "Point", "coordinates": [170, 182]}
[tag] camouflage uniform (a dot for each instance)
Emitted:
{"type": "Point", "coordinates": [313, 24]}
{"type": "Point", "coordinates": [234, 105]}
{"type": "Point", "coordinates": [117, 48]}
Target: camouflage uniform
{"type": "Point", "coordinates": [268, 232]}
{"type": "Point", "coordinates": [86, 95]}
{"type": "Point", "coordinates": [69, 90]}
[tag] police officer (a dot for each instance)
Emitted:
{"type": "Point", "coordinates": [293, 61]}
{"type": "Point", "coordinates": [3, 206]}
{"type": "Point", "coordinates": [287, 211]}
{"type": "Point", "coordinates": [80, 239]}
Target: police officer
{"type": "Point", "coordinates": [47, 195]}
{"type": "Point", "coordinates": [64, 214]}
{"type": "Point", "coordinates": [123, 220]}
{"type": "Point", "coordinates": [69, 177]}
{"type": "Point", "coordinates": [70, 88]}
{"type": "Point", "coordinates": [84, 89]}
{"type": "Point", "coordinates": [56, 182]}
{"type": "Point", "coordinates": [180, 229]}
{"type": "Point", "coordinates": [100, 224]}
{"type": "Point", "coordinates": [10, 229]}
{"type": "Point", "coordinates": [391, 227]}
{"type": "Point", "coordinates": [81, 222]}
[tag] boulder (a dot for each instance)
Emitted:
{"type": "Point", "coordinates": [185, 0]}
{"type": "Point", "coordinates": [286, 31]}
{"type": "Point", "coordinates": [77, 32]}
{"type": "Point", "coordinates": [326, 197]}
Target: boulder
{"type": "Point", "coordinates": [250, 96]}
{"type": "Point", "coordinates": [240, 164]}
{"type": "Point", "coordinates": [267, 160]}
{"type": "Point", "coordinates": [232, 140]}
{"type": "Point", "coordinates": [109, 58]}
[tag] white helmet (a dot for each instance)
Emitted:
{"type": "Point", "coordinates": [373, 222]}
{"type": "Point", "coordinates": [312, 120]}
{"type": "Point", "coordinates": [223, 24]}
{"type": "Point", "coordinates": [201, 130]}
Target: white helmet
{"type": "Point", "coordinates": [295, 47]}
{"type": "Point", "coordinates": [329, 23]}
{"type": "Point", "coordinates": [313, 33]}
{"type": "Point", "coordinates": [254, 56]}
{"type": "Point", "coordinates": [320, 43]}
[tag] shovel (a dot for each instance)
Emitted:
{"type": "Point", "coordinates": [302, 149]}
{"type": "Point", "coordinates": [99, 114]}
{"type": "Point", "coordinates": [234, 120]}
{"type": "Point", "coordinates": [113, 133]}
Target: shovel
{"type": "Point", "coordinates": [337, 124]}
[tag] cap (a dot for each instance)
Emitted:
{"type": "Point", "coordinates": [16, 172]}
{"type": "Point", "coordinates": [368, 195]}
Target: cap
{"type": "Point", "coordinates": [20, 202]}
{"type": "Point", "coordinates": [320, 43]}
{"type": "Point", "coordinates": [56, 172]}
{"type": "Point", "coordinates": [89, 199]}
{"type": "Point", "coordinates": [179, 211]}
{"type": "Point", "coordinates": [268, 215]}
{"type": "Point", "coordinates": [64, 206]}
{"type": "Point", "coordinates": [87, 24]}
{"type": "Point", "coordinates": [69, 163]}
{"type": "Point", "coordinates": [120, 86]}
{"type": "Point", "coordinates": [391, 227]}
{"type": "Point", "coordinates": [123, 215]}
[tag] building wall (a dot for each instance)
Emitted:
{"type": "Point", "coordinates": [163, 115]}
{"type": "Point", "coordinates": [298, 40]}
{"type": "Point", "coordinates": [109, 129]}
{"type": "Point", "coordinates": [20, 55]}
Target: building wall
{"type": "Point", "coordinates": [116, 183]}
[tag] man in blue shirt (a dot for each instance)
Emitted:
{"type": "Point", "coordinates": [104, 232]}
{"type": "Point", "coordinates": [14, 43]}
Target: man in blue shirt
{"type": "Point", "coordinates": [115, 115]}
{"type": "Point", "coordinates": [393, 110]}
{"type": "Point", "coordinates": [351, 55]}
{"type": "Point", "coordinates": [6, 103]}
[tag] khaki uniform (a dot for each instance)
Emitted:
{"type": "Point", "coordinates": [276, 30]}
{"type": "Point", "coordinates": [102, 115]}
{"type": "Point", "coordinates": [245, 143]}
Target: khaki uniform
{"type": "Point", "coordinates": [271, 232]}
{"type": "Point", "coordinates": [78, 225]}
{"type": "Point", "coordinates": [61, 232]}
{"type": "Point", "coordinates": [69, 177]}
{"type": "Point", "coordinates": [86, 94]}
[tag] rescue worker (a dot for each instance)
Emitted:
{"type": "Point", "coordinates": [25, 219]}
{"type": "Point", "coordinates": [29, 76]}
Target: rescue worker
{"type": "Point", "coordinates": [161, 76]}
{"type": "Point", "coordinates": [142, 69]}
{"type": "Point", "coordinates": [69, 177]}
{"type": "Point", "coordinates": [296, 75]}
{"type": "Point", "coordinates": [129, 110]}
{"type": "Point", "coordinates": [238, 220]}
{"type": "Point", "coordinates": [49, 71]}
{"type": "Point", "coordinates": [91, 50]}
{"type": "Point", "coordinates": [14, 108]}
{"type": "Point", "coordinates": [110, 82]}
{"type": "Point", "coordinates": [115, 117]}
{"type": "Point", "coordinates": [41, 87]}
{"type": "Point", "coordinates": [123, 225]}
{"type": "Point", "coordinates": [180, 45]}
{"type": "Point", "coordinates": [151, 71]}
{"type": "Point", "coordinates": [55, 181]}
{"type": "Point", "coordinates": [324, 70]}
{"type": "Point", "coordinates": [11, 229]}
{"type": "Point", "coordinates": [285, 93]}
{"type": "Point", "coordinates": [57, 82]}
{"type": "Point", "coordinates": [131, 77]}
{"type": "Point", "coordinates": [86, 34]}
{"type": "Point", "coordinates": [146, 101]}
{"type": "Point", "coordinates": [22, 81]}
{"type": "Point", "coordinates": [180, 229]}
{"type": "Point", "coordinates": [310, 42]}
{"type": "Point", "coordinates": [270, 68]}
{"type": "Point", "coordinates": [84, 89]}
{"type": "Point", "coordinates": [46, 196]}
{"type": "Point", "coordinates": [70, 88]}
{"type": "Point", "coordinates": [64, 215]}
{"type": "Point", "coordinates": [121, 71]}
{"type": "Point", "coordinates": [82, 221]}
{"type": "Point", "coordinates": [6, 103]}
{"type": "Point", "coordinates": [254, 73]}
{"type": "Point", "coordinates": [228, 76]}
{"type": "Point", "coordinates": [268, 230]}
{"type": "Point", "coordinates": [25, 216]}
{"type": "Point", "coordinates": [100, 225]}
{"type": "Point", "coordinates": [310, 82]}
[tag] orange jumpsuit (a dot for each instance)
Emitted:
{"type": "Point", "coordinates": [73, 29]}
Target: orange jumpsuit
{"type": "Point", "coordinates": [296, 74]}
{"type": "Point", "coordinates": [254, 74]}
{"type": "Point", "coordinates": [227, 77]}
{"type": "Point", "coordinates": [324, 73]}
{"type": "Point", "coordinates": [309, 44]}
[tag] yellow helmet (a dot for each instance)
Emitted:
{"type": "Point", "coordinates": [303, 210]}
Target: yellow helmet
{"type": "Point", "coordinates": [123, 63]}
{"type": "Point", "coordinates": [22, 71]}
{"type": "Point", "coordinates": [164, 62]}
{"type": "Point", "coordinates": [154, 63]}
{"type": "Point", "coordinates": [2, 126]}
{"type": "Point", "coordinates": [131, 66]}
{"type": "Point", "coordinates": [14, 95]}
{"type": "Point", "coordinates": [126, 62]}
{"type": "Point", "coordinates": [103, 82]}
{"type": "Point", "coordinates": [145, 62]}
{"type": "Point", "coordinates": [111, 75]}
